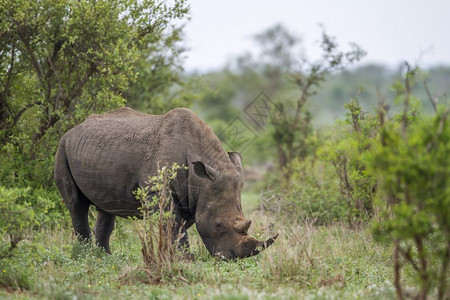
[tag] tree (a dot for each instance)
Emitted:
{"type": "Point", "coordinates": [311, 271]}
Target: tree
{"type": "Point", "coordinates": [61, 60]}
{"type": "Point", "coordinates": [160, 84]}
{"type": "Point", "coordinates": [291, 119]}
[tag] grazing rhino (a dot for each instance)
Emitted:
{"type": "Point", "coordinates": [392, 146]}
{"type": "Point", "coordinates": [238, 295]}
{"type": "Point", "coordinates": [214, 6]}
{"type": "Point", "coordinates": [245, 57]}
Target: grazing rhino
{"type": "Point", "coordinates": [103, 160]}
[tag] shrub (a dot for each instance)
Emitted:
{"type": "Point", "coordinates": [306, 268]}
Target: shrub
{"type": "Point", "coordinates": [413, 171]}
{"type": "Point", "coordinates": [156, 230]}
{"type": "Point", "coordinates": [16, 274]}
{"type": "Point", "coordinates": [346, 153]}
{"type": "Point", "coordinates": [335, 185]}
{"type": "Point", "coordinates": [16, 214]}
{"type": "Point", "coordinates": [411, 162]}
{"type": "Point", "coordinates": [22, 209]}
{"type": "Point", "coordinates": [313, 195]}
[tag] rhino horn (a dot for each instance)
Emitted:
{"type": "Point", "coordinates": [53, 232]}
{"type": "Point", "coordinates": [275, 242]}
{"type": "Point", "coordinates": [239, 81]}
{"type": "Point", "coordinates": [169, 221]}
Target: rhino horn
{"type": "Point", "coordinates": [252, 246]}
{"type": "Point", "coordinates": [242, 225]}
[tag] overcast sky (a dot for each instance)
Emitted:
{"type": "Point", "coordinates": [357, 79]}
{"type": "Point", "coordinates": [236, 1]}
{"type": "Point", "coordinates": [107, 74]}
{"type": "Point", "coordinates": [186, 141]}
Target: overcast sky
{"type": "Point", "coordinates": [391, 31]}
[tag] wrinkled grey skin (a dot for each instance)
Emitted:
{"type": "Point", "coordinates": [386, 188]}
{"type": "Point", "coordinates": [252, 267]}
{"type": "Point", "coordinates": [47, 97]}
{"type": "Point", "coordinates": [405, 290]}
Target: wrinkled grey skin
{"type": "Point", "coordinates": [103, 160]}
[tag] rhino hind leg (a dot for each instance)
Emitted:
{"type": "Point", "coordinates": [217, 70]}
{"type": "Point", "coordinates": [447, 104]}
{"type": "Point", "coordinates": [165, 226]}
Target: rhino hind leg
{"type": "Point", "coordinates": [103, 229]}
{"type": "Point", "coordinates": [76, 202]}
{"type": "Point", "coordinates": [78, 206]}
{"type": "Point", "coordinates": [80, 221]}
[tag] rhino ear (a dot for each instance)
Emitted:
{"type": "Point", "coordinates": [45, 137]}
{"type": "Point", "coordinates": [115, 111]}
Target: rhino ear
{"type": "Point", "coordinates": [205, 171]}
{"type": "Point", "coordinates": [236, 159]}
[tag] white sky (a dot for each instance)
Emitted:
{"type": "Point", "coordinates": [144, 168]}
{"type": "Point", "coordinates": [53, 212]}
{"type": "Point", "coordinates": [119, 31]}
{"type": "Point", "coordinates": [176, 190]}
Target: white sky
{"type": "Point", "coordinates": [391, 31]}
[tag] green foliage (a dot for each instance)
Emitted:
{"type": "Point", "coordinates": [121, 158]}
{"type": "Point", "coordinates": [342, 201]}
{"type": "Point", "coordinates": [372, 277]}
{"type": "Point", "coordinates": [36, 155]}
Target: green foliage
{"type": "Point", "coordinates": [397, 169]}
{"type": "Point", "coordinates": [22, 209]}
{"type": "Point", "coordinates": [412, 166]}
{"type": "Point", "coordinates": [160, 84]}
{"type": "Point", "coordinates": [17, 275]}
{"type": "Point", "coordinates": [25, 164]}
{"type": "Point", "coordinates": [16, 214]}
{"type": "Point", "coordinates": [62, 60]}
{"type": "Point", "coordinates": [335, 185]}
{"type": "Point", "coordinates": [218, 100]}
{"type": "Point", "coordinates": [405, 161]}
{"type": "Point", "coordinates": [346, 152]}
{"type": "Point", "coordinates": [313, 195]}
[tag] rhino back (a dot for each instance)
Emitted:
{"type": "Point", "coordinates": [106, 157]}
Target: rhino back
{"type": "Point", "coordinates": [109, 155]}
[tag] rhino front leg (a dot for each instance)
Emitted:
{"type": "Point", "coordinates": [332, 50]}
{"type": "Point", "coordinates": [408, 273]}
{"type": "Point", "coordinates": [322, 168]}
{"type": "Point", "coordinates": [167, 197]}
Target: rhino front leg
{"type": "Point", "coordinates": [179, 233]}
{"type": "Point", "coordinates": [103, 228]}
{"type": "Point", "coordinates": [180, 236]}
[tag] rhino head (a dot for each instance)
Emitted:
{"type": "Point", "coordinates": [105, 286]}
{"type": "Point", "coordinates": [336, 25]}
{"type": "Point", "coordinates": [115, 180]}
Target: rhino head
{"type": "Point", "coordinates": [219, 217]}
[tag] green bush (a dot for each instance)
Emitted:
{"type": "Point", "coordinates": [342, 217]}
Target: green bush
{"type": "Point", "coordinates": [16, 213]}
{"type": "Point", "coordinates": [346, 153]}
{"type": "Point", "coordinates": [412, 165]}
{"type": "Point", "coordinates": [313, 195]}
{"type": "Point", "coordinates": [16, 274]}
{"type": "Point", "coordinates": [22, 209]}
{"type": "Point", "coordinates": [334, 184]}
{"type": "Point", "coordinates": [49, 207]}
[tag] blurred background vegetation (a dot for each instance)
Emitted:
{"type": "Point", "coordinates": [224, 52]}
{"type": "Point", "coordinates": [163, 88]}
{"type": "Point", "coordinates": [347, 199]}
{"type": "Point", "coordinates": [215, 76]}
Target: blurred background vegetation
{"type": "Point", "coordinates": [332, 125]}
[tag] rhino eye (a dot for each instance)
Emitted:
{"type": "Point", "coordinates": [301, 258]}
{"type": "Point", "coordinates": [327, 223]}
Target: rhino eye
{"type": "Point", "coordinates": [219, 226]}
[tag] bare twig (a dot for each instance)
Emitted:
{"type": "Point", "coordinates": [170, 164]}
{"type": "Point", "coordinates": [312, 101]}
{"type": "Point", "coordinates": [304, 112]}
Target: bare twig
{"type": "Point", "coordinates": [303, 246]}
{"type": "Point", "coordinates": [432, 100]}
{"type": "Point", "coordinates": [181, 277]}
{"type": "Point", "coordinates": [442, 122]}
{"type": "Point", "coordinates": [407, 255]}
{"type": "Point", "coordinates": [23, 110]}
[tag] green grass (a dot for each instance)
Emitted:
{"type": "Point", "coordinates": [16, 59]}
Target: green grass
{"type": "Point", "coordinates": [306, 261]}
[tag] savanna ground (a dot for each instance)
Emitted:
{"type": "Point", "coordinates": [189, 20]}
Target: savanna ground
{"type": "Point", "coordinates": [307, 261]}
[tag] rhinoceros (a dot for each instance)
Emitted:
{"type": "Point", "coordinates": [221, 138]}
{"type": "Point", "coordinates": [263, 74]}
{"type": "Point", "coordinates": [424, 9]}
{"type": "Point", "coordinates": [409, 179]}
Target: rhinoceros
{"type": "Point", "coordinates": [106, 158]}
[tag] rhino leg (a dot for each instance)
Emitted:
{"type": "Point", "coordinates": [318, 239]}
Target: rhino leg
{"type": "Point", "coordinates": [78, 206]}
{"type": "Point", "coordinates": [80, 221]}
{"type": "Point", "coordinates": [180, 236]}
{"type": "Point", "coordinates": [103, 228]}
{"type": "Point", "coordinates": [76, 202]}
